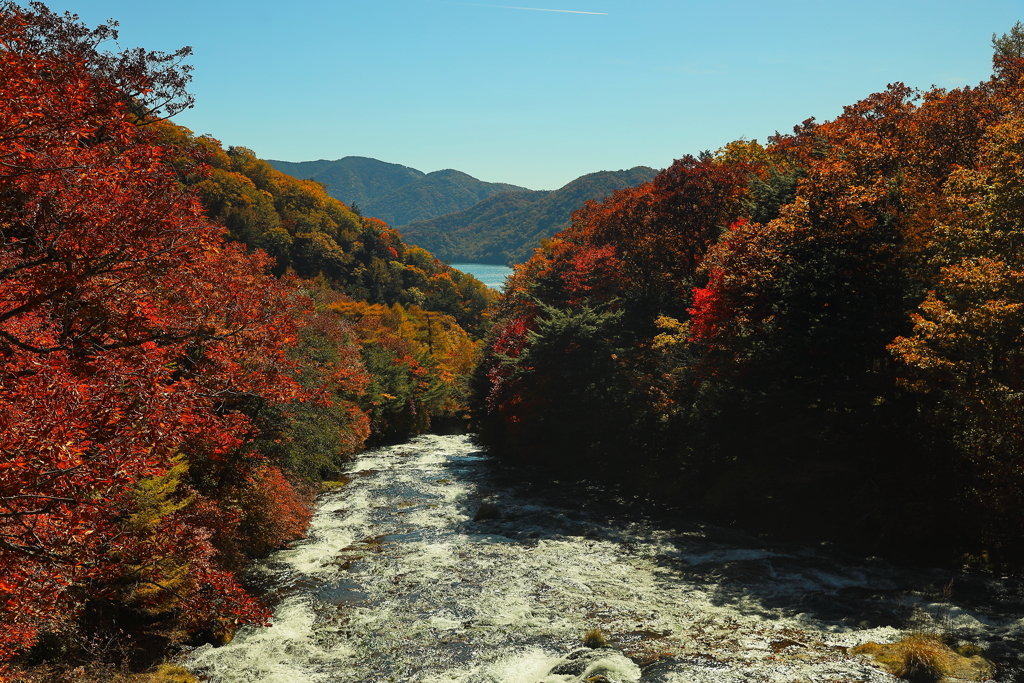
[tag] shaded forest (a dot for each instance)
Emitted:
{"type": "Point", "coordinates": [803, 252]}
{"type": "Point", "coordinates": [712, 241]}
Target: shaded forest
{"type": "Point", "coordinates": [819, 336]}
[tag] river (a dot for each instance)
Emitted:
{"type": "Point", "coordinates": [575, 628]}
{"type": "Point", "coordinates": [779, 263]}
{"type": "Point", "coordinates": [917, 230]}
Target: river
{"type": "Point", "coordinates": [433, 564]}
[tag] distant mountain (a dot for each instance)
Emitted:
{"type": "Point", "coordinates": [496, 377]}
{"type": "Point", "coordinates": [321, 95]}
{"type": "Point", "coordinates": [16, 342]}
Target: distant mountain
{"type": "Point", "coordinates": [353, 180]}
{"type": "Point", "coordinates": [393, 193]}
{"type": "Point", "coordinates": [435, 194]}
{"type": "Point", "coordinates": [506, 227]}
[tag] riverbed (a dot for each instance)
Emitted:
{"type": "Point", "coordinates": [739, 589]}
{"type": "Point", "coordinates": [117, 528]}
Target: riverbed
{"type": "Point", "coordinates": [434, 564]}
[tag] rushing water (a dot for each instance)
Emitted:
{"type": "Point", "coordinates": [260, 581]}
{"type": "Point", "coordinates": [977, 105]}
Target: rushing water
{"type": "Point", "coordinates": [433, 565]}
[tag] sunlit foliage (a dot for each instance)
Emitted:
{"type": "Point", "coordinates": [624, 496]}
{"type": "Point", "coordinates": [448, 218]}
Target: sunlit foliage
{"type": "Point", "coordinates": [174, 372]}
{"type": "Point", "coordinates": [128, 330]}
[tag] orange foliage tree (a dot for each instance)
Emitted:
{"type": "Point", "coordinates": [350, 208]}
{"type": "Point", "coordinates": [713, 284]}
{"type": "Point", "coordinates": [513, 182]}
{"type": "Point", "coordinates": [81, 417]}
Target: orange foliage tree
{"type": "Point", "coordinates": [419, 363]}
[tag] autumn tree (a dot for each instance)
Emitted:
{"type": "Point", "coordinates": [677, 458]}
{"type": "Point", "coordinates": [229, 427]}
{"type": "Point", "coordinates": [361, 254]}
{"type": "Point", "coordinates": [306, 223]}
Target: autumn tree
{"type": "Point", "coordinates": [570, 361]}
{"type": "Point", "coordinates": [128, 330]}
{"type": "Point", "coordinates": [826, 322]}
{"type": "Point", "coordinates": [963, 357]}
{"type": "Point", "coordinates": [1010, 45]}
{"type": "Point", "coordinates": [315, 235]}
{"type": "Point", "coordinates": [419, 363]}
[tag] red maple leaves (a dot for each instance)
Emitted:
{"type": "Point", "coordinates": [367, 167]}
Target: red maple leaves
{"type": "Point", "coordinates": [128, 330]}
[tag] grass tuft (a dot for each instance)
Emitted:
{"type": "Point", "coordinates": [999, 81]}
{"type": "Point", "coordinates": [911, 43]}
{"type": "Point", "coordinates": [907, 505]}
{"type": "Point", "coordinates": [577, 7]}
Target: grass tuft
{"type": "Point", "coordinates": [595, 639]}
{"type": "Point", "coordinates": [969, 650]}
{"type": "Point", "coordinates": [925, 658]}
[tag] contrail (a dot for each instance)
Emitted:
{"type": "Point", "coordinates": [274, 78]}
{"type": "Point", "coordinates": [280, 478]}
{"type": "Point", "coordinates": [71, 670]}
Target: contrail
{"type": "Point", "coordinates": [532, 9]}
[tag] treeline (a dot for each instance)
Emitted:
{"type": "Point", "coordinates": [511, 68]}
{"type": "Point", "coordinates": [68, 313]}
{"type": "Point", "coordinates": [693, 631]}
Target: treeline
{"type": "Point", "coordinates": [170, 394]}
{"type": "Point", "coordinates": [819, 336]}
{"type": "Point", "coordinates": [416, 320]}
{"type": "Point", "coordinates": [352, 266]}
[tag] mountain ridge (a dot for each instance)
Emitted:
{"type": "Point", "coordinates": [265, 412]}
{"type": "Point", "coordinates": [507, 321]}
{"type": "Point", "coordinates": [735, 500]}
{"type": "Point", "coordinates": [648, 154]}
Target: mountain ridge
{"type": "Point", "coordinates": [394, 193]}
{"type": "Point", "coordinates": [506, 227]}
{"type": "Point", "coordinates": [454, 215]}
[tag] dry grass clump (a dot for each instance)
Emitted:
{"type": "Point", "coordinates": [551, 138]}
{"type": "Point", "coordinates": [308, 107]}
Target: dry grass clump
{"type": "Point", "coordinates": [595, 639]}
{"type": "Point", "coordinates": [170, 673]}
{"type": "Point", "coordinates": [925, 658]}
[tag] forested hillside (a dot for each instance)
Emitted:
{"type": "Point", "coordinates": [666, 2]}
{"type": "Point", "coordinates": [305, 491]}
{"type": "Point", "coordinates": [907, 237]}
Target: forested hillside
{"type": "Point", "coordinates": [820, 336]}
{"type": "Point", "coordinates": [507, 227]}
{"type": "Point", "coordinates": [395, 194]}
{"type": "Point", "coordinates": [360, 269]}
{"type": "Point", "coordinates": [191, 342]}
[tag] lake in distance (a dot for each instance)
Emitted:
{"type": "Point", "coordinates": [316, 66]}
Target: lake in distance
{"type": "Point", "coordinates": [491, 274]}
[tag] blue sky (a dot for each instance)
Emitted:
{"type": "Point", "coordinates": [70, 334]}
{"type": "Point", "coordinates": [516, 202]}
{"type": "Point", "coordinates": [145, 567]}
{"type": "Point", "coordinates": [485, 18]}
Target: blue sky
{"type": "Point", "coordinates": [538, 98]}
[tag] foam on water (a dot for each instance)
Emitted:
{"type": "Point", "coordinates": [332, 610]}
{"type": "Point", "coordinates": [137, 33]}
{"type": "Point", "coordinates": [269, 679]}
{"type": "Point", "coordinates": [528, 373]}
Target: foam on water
{"type": "Point", "coordinates": [397, 582]}
{"type": "Point", "coordinates": [285, 653]}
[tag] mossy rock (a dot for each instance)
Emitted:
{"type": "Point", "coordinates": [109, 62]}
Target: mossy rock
{"type": "Point", "coordinates": [924, 658]}
{"type": "Point", "coordinates": [486, 512]}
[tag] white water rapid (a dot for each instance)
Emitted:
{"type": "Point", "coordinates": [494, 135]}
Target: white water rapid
{"type": "Point", "coordinates": [398, 582]}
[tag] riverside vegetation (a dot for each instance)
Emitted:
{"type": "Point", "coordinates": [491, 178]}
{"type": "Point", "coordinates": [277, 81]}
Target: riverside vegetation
{"type": "Point", "coordinates": [192, 342]}
{"type": "Point", "coordinates": [820, 336]}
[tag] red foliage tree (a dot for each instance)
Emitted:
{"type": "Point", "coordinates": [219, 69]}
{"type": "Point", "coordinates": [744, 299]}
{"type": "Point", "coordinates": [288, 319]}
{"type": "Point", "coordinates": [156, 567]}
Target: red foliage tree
{"type": "Point", "coordinates": [274, 511]}
{"type": "Point", "coordinates": [127, 326]}
{"type": "Point", "coordinates": [661, 229]}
